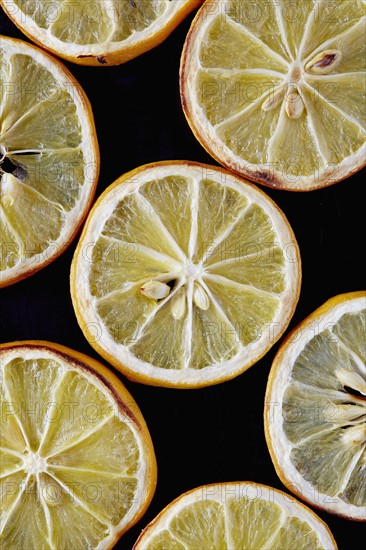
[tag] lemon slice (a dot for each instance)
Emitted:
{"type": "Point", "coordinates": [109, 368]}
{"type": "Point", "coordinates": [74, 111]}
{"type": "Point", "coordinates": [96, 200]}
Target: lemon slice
{"type": "Point", "coordinates": [77, 463]}
{"type": "Point", "coordinates": [276, 90]}
{"type": "Point", "coordinates": [49, 159]}
{"type": "Point", "coordinates": [315, 414]}
{"type": "Point", "coordinates": [240, 515]}
{"type": "Point", "coordinates": [184, 275]}
{"type": "Point", "coordinates": [104, 32]}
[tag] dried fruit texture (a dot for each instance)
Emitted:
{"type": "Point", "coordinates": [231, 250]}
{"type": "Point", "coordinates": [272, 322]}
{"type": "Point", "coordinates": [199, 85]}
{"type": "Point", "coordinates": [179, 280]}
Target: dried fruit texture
{"type": "Point", "coordinates": [267, 85]}
{"type": "Point", "coordinates": [77, 462]}
{"type": "Point", "coordinates": [316, 408]}
{"type": "Point", "coordinates": [49, 159]}
{"type": "Point", "coordinates": [99, 33]}
{"type": "Point", "coordinates": [236, 516]}
{"type": "Point", "coordinates": [192, 276]}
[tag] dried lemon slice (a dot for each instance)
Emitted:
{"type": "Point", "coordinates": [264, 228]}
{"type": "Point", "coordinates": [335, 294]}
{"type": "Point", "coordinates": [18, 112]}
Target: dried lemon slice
{"type": "Point", "coordinates": [77, 464]}
{"type": "Point", "coordinates": [275, 90]}
{"type": "Point", "coordinates": [240, 515]}
{"type": "Point", "coordinates": [101, 32]}
{"type": "Point", "coordinates": [315, 414]}
{"type": "Point", "coordinates": [49, 159]}
{"type": "Point", "coordinates": [184, 275]}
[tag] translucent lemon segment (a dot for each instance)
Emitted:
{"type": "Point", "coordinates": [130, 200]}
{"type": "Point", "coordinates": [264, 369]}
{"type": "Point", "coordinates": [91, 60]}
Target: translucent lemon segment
{"type": "Point", "coordinates": [117, 266]}
{"type": "Point", "coordinates": [231, 519]}
{"type": "Point", "coordinates": [229, 46]}
{"type": "Point", "coordinates": [74, 526]}
{"type": "Point", "coordinates": [71, 420]}
{"type": "Point", "coordinates": [345, 92]}
{"type": "Point", "coordinates": [136, 16]}
{"type": "Point", "coordinates": [296, 534]}
{"type": "Point", "coordinates": [44, 220]}
{"type": "Point", "coordinates": [246, 308]}
{"type": "Point", "coordinates": [9, 462]}
{"type": "Point", "coordinates": [330, 19]}
{"type": "Point", "coordinates": [82, 22]}
{"type": "Point", "coordinates": [309, 460]}
{"type": "Point", "coordinates": [57, 175]}
{"type": "Point", "coordinates": [82, 472]}
{"type": "Point", "coordinates": [27, 526]}
{"type": "Point", "coordinates": [251, 522]}
{"type": "Point", "coordinates": [355, 491]}
{"type": "Point", "coordinates": [261, 23]}
{"type": "Point", "coordinates": [237, 133]}
{"type": "Point", "coordinates": [107, 496]}
{"type": "Point", "coordinates": [31, 385]}
{"type": "Point", "coordinates": [295, 150]}
{"type": "Point", "coordinates": [36, 129]}
{"type": "Point", "coordinates": [351, 330]}
{"type": "Point", "coordinates": [244, 270]}
{"type": "Point", "coordinates": [224, 93]}
{"type": "Point", "coordinates": [293, 16]}
{"type": "Point", "coordinates": [252, 233]}
{"type": "Point", "coordinates": [10, 244]}
{"type": "Point", "coordinates": [219, 208]}
{"type": "Point", "coordinates": [11, 436]}
{"type": "Point", "coordinates": [163, 347]}
{"type": "Point", "coordinates": [10, 486]}
{"type": "Point", "coordinates": [215, 338]}
{"type": "Point", "coordinates": [111, 449]}
{"type": "Point", "coordinates": [37, 85]}
{"type": "Point", "coordinates": [316, 364]}
{"type": "Point", "coordinates": [49, 159]}
{"type": "Point", "coordinates": [201, 525]}
{"type": "Point", "coordinates": [169, 196]}
{"type": "Point", "coordinates": [125, 312]}
{"type": "Point", "coordinates": [125, 225]}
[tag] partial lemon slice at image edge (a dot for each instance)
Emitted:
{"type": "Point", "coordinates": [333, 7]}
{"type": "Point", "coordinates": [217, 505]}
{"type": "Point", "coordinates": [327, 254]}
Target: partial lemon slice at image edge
{"type": "Point", "coordinates": [275, 91]}
{"type": "Point", "coordinates": [236, 516]}
{"type": "Point", "coordinates": [98, 33]}
{"type": "Point", "coordinates": [49, 159]}
{"type": "Point", "coordinates": [184, 275]}
{"type": "Point", "coordinates": [315, 414]}
{"type": "Point", "coordinates": [77, 464]}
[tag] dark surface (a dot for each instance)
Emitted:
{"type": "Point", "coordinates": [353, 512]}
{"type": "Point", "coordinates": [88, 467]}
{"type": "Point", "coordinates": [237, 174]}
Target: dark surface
{"type": "Point", "coordinates": [214, 434]}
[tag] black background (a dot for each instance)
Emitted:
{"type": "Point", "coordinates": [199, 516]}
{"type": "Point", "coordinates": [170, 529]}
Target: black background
{"type": "Point", "coordinates": [214, 434]}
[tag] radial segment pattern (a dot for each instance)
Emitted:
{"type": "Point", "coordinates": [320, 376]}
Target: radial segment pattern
{"type": "Point", "coordinates": [48, 159]}
{"type": "Point", "coordinates": [276, 90]}
{"type": "Point", "coordinates": [185, 271]}
{"type": "Point", "coordinates": [72, 463]}
{"type": "Point", "coordinates": [318, 433]}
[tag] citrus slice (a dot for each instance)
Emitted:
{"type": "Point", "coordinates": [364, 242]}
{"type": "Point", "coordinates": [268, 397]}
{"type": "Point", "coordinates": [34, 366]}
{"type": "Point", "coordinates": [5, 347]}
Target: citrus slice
{"type": "Point", "coordinates": [49, 159]}
{"type": "Point", "coordinates": [98, 32]}
{"type": "Point", "coordinates": [315, 415]}
{"type": "Point", "coordinates": [238, 516]}
{"type": "Point", "coordinates": [184, 275]}
{"type": "Point", "coordinates": [275, 90]}
{"type": "Point", "coordinates": [77, 462]}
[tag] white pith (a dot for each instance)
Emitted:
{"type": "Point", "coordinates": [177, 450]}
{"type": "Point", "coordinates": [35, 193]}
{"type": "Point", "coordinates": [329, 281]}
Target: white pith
{"type": "Point", "coordinates": [187, 274]}
{"type": "Point", "coordinates": [276, 175]}
{"type": "Point", "coordinates": [351, 416]}
{"type": "Point", "coordinates": [26, 260]}
{"type": "Point", "coordinates": [35, 463]}
{"type": "Point", "coordinates": [224, 493]}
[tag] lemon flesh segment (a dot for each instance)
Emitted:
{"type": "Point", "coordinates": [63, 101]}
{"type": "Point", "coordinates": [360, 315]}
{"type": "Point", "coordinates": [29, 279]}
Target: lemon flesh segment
{"type": "Point", "coordinates": [218, 250]}
{"type": "Point", "coordinates": [265, 70]}
{"type": "Point", "coordinates": [72, 468]}
{"type": "Point", "coordinates": [320, 427]}
{"type": "Point", "coordinates": [48, 159]}
{"type": "Point", "coordinates": [230, 516]}
{"type": "Point", "coordinates": [100, 32]}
